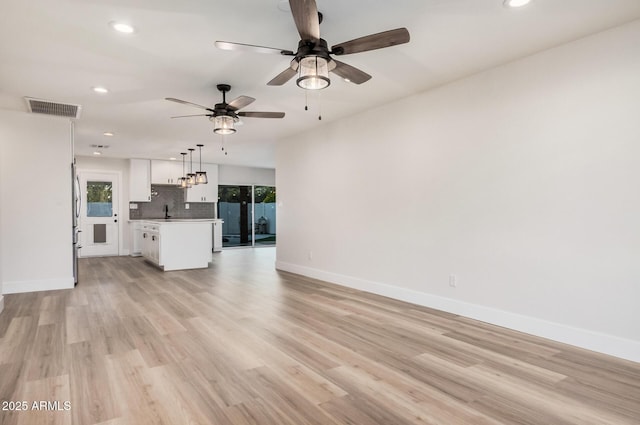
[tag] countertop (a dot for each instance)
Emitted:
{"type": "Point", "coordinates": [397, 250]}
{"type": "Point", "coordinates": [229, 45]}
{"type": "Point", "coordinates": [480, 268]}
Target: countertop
{"type": "Point", "coordinates": [178, 220]}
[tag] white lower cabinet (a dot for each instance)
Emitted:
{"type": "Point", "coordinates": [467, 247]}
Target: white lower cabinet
{"type": "Point", "coordinates": [135, 238]}
{"type": "Point", "coordinates": [151, 243]}
{"type": "Point", "coordinates": [217, 235]}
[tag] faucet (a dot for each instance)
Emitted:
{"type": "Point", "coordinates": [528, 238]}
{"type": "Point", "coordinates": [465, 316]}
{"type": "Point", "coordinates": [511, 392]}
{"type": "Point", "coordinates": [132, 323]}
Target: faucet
{"type": "Point", "coordinates": [166, 211]}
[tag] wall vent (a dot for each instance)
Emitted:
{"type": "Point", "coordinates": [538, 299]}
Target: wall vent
{"type": "Point", "coordinates": [47, 107]}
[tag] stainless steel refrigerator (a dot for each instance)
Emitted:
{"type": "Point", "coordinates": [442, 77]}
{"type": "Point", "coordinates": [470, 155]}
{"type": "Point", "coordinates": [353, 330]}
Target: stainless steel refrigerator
{"type": "Point", "coordinates": [77, 204]}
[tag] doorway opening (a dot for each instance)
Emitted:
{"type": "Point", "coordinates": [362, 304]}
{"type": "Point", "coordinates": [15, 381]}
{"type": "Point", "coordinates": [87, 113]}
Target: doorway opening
{"type": "Point", "coordinates": [249, 214]}
{"type": "Point", "coordinates": [99, 219]}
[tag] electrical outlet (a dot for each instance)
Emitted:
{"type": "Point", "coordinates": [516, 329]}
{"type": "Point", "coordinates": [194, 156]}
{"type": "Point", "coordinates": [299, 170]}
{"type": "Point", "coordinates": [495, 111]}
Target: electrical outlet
{"type": "Point", "coordinates": [133, 206]}
{"type": "Point", "coordinates": [186, 206]}
{"type": "Point", "coordinates": [453, 280]}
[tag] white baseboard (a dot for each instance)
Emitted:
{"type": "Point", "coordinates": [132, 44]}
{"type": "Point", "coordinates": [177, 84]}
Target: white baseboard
{"type": "Point", "coordinates": [1, 303]}
{"type": "Point", "coordinates": [583, 338]}
{"type": "Point", "coordinates": [37, 285]}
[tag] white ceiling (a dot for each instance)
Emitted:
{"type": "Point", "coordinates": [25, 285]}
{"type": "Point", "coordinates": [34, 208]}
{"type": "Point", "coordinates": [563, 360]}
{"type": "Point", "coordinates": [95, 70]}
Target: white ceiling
{"type": "Point", "coordinates": [59, 49]}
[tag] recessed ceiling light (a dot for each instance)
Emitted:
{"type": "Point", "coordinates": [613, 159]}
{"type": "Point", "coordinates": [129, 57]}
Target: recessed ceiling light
{"type": "Point", "coordinates": [122, 27]}
{"type": "Point", "coordinates": [97, 153]}
{"type": "Point", "coordinates": [108, 134]}
{"type": "Point", "coordinates": [172, 159]}
{"type": "Point", "coordinates": [516, 3]}
{"type": "Point", "coordinates": [100, 90]}
{"type": "Point", "coordinates": [347, 80]}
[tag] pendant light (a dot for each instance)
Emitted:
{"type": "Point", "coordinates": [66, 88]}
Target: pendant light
{"type": "Point", "coordinates": [201, 176]}
{"type": "Point", "coordinates": [183, 182]}
{"type": "Point", "coordinates": [191, 177]}
{"type": "Point", "coordinates": [313, 73]}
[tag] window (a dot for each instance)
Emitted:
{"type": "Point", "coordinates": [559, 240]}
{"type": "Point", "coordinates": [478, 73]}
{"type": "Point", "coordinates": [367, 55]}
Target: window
{"type": "Point", "coordinates": [249, 215]}
{"type": "Point", "coordinates": [99, 199]}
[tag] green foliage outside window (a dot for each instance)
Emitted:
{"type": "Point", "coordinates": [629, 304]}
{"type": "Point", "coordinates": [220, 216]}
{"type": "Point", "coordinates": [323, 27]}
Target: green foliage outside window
{"type": "Point", "coordinates": [99, 191]}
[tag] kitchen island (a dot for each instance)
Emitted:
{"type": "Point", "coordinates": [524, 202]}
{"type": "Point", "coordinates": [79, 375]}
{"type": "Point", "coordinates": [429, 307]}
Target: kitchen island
{"type": "Point", "coordinates": [175, 244]}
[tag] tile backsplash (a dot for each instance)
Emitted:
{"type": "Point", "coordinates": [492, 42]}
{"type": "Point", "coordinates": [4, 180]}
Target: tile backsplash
{"type": "Point", "coordinates": [173, 197]}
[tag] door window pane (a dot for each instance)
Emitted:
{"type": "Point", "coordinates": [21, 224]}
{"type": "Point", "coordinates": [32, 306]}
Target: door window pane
{"type": "Point", "coordinates": [234, 207]}
{"type": "Point", "coordinates": [249, 214]}
{"type": "Point", "coordinates": [265, 214]}
{"type": "Point", "coordinates": [99, 199]}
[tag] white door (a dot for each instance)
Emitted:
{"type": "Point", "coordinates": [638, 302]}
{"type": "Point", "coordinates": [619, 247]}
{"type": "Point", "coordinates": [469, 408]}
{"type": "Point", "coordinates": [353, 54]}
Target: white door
{"type": "Point", "coordinates": [99, 215]}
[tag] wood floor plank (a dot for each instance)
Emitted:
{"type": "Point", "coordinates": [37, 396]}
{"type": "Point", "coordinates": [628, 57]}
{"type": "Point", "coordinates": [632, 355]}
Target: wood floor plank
{"type": "Point", "coordinates": [50, 402]}
{"type": "Point", "coordinates": [92, 397]}
{"type": "Point", "coordinates": [240, 343]}
{"type": "Point", "coordinates": [47, 354]}
{"type": "Point", "coordinates": [417, 404]}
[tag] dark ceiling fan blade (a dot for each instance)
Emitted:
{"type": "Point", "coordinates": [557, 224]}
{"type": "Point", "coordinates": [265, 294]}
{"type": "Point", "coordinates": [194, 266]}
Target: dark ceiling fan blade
{"type": "Point", "coordinates": [283, 77]}
{"type": "Point", "coordinates": [261, 114]}
{"type": "Point", "coordinates": [197, 115]}
{"type": "Point", "coordinates": [305, 15]}
{"type": "Point", "coordinates": [227, 45]}
{"type": "Point", "coordinates": [240, 102]}
{"type": "Point", "coordinates": [372, 42]}
{"type": "Point", "coordinates": [348, 72]}
{"type": "Point", "coordinates": [184, 102]}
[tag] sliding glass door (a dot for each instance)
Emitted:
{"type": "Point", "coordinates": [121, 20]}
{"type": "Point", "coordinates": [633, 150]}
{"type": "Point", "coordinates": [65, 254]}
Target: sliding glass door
{"type": "Point", "coordinates": [264, 207]}
{"type": "Point", "coordinates": [249, 215]}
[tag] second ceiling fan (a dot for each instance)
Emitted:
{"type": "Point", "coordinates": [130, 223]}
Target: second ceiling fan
{"type": "Point", "coordinates": [312, 62]}
{"type": "Point", "coordinates": [224, 115]}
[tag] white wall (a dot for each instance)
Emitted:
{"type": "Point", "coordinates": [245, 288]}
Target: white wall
{"type": "Point", "coordinates": [121, 166]}
{"type": "Point", "coordinates": [35, 182]}
{"type": "Point", "coordinates": [1, 203]}
{"type": "Point", "coordinates": [522, 181]}
{"type": "Point", "coordinates": [237, 175]}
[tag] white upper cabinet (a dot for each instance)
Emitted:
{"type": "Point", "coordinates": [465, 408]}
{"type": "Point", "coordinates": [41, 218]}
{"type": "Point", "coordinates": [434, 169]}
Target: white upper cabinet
{"type": "Point", "coordinates": [165, 172]}
{"type": "Point", "coordinates": [205, 192]}
{"type": "Point", "coordinates": [139, 180]}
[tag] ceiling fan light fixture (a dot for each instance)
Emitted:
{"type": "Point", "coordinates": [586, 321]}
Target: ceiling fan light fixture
{"type": "Point", "coordinates": [223, 124]}
{"type": "Point", "coordinates": [313, 73]}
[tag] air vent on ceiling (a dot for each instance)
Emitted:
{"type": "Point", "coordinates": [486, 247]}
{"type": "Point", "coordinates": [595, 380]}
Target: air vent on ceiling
{"type": "Point", "coordinates": [47, 107]}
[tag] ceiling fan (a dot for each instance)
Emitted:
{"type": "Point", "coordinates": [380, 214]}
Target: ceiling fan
{"type": "Point", "coordinates": [224, 115]}
{"type": "Point", "coordinates": [312, 62]}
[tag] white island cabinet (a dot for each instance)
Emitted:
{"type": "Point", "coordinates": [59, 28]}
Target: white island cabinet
{"type": "Point", "coordinates": [177, 244]}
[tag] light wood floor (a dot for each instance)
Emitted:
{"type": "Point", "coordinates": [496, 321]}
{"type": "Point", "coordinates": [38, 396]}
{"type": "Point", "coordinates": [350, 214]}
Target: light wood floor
{"type": "Point", "coordinates": [240, 343]}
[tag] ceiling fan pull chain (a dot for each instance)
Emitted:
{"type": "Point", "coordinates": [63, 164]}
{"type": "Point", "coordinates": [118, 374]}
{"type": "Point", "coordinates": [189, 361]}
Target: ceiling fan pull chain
{"type": "Point", "coordinates": [306, 101]}
{"type": "Point", "coordinates": [319, 107]}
